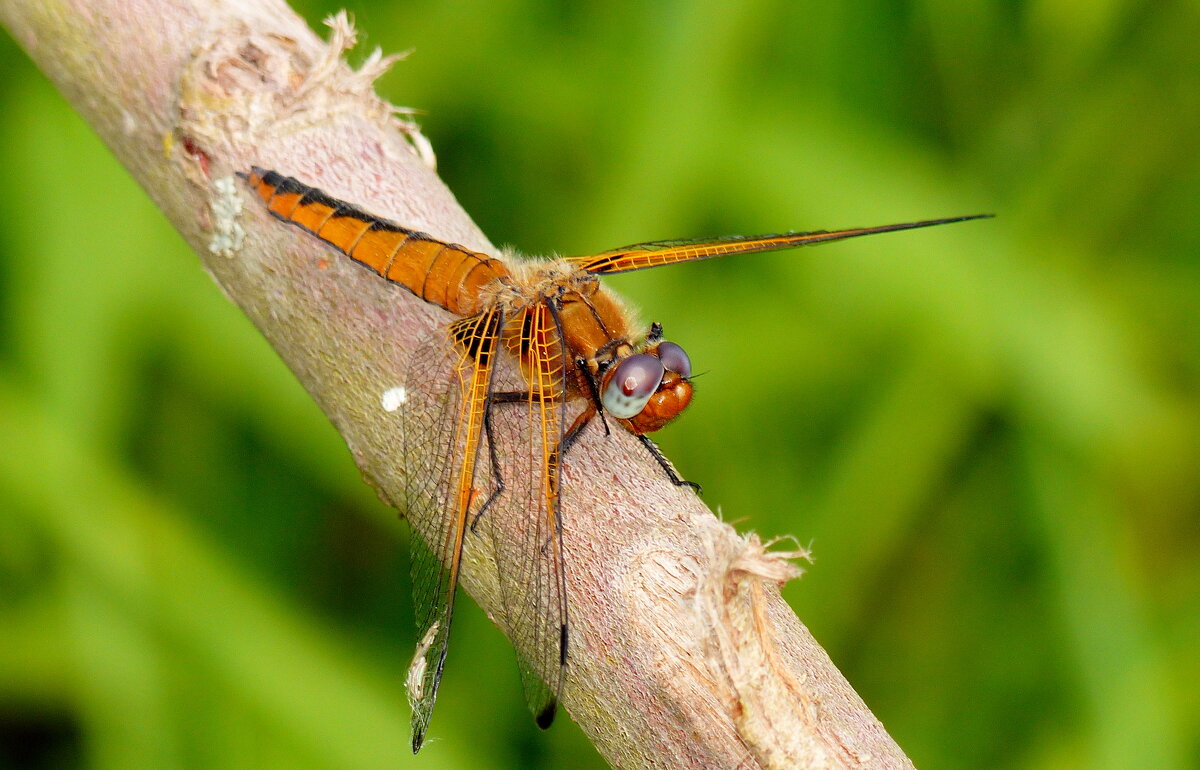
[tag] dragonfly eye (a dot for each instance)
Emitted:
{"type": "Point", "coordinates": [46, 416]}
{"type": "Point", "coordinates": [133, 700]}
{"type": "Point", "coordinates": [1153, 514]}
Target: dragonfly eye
{"type": "Point", "coordinates": [674, 359]}
{"type": "Point", "coordinates": [631, 384]}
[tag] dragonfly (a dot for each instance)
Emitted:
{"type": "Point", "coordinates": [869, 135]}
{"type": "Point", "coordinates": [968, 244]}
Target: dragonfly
{"type": "Point", "coordinates": [528, 339]}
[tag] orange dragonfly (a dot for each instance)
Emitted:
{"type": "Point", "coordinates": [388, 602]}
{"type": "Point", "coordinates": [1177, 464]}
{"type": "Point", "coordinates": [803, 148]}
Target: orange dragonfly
{"type": "Point", "coordinates": [531, 338]}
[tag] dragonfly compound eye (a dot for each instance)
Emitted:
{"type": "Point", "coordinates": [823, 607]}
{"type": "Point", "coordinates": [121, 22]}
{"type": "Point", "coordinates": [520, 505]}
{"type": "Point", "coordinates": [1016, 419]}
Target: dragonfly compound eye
{"type": "Point", "coordinates": [631, 384]}
{"type": "Point", "coordinates": [674, 359]}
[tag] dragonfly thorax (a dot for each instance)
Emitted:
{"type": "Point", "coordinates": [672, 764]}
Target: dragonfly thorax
{"type": "Point", "coordinates": [535, 282]}
{"type": "Point", "coordinates": [641, 381]}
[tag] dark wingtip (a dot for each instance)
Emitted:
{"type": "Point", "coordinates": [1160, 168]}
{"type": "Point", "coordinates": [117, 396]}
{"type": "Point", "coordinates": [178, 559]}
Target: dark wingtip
{"type": "Point", "coordinates": [546, 717]}
{"type": "Point", "coordinates": [933, 222]}
{"type": "Point", "coordinates": [418, 735]}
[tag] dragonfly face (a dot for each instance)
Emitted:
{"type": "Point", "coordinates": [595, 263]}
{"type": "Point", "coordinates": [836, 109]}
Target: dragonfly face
{"type": "Point", "coordinates": [647, 390]}
{"type": "Point", "coordinates": [530, 338]}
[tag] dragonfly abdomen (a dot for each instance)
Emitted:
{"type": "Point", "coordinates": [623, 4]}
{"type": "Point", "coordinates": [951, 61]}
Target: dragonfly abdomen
{"type": "Point", "coordinates": [445, 274]}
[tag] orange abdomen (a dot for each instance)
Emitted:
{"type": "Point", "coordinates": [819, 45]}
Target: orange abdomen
{"type": "Point", "coordinates": [445, 274]}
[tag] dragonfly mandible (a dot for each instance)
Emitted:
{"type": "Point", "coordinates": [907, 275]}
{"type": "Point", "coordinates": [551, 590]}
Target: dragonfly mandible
{"type": "Point", "coordinates": [530, 338]}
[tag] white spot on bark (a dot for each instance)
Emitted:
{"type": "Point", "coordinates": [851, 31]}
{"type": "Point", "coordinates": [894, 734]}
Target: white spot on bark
{"type": "Point", "coordinates": [394, 398]}
{"type": "Point", "coordinates": [225, 206]}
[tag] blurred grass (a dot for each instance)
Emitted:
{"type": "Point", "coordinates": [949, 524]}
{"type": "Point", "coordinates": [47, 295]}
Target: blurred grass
{"type": "Point", "coordinates": [990, 432]}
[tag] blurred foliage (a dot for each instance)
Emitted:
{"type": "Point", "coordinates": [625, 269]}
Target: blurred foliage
{"type": "Point", "coordinates": [989, 432]}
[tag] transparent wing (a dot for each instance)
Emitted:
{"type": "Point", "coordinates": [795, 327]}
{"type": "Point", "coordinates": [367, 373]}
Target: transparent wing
{"type": "Point", "coordinates": [525, 524]}
{"type": "Point", "coordinates": [640, 256]}
{"type": "Point", "coordinates": [446, 388]}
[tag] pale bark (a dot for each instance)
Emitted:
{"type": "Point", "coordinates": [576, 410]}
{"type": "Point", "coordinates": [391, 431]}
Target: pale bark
{"type": "Point", "coordinates": [683, 653]}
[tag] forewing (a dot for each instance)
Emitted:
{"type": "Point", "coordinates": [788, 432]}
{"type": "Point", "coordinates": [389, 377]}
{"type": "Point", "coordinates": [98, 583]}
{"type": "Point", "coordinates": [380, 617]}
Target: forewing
{"type": "Point", "coordinates": [446, 390]}
{"type": "Point", "coordinates": [526, 525]}
{"type": "Point", "coordinates": [640, 256]}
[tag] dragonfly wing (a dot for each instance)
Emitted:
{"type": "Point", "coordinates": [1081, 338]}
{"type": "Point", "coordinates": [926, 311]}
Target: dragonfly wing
{"type": "Point", "coordinates": [641, 256]}
{"type": "Point", "coordinates": [525, 525]}
{"type": "Point", "coordinates": [446, 390]}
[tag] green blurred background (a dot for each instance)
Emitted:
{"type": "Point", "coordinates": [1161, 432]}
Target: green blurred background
{"type": "Point", "coordinates": [990, 433]}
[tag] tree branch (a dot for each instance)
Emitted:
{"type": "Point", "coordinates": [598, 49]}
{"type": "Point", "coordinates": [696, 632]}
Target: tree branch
{"type": "Point", "coordinates": [683, 653]}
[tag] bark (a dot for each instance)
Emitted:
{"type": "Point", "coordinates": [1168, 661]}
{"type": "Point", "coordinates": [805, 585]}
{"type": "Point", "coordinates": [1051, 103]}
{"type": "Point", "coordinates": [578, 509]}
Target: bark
{"type": "Point", "coordinates": [683, 653]}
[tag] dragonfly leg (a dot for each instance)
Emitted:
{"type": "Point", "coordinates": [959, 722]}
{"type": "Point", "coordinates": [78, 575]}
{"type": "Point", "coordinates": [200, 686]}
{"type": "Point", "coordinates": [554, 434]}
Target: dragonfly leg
{"type": "Point", "coordinates": [502, 397]}
{"type": "Point", "coordinates": [573, 432]}
{"type": "Point", "coordinates": [666, 465]}
{"type": "Point", "coordinates": [593, 389]}
{"type": "Point", "coordinates": [495, 463]}
{"type": "Point", "coordinates": [555, 461]}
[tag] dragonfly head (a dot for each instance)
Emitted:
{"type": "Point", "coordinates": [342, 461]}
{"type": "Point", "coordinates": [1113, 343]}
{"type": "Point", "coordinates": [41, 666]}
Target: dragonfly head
{"type": "Point", "coordinates": [650, 388]}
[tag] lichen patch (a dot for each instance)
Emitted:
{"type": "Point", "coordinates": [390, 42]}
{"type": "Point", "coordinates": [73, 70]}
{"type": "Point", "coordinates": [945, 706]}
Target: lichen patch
{"type": "Point", "coordinates": [225, 205]}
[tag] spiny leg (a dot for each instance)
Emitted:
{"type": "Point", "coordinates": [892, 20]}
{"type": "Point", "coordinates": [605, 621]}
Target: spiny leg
{"type": "Point", "coordinates": [555, 460]}
{"type": "Point", "coordinates": [653, 449]}
{"type": "Point", "coordinates": [494, 461]}
{"type": "Point", "coordinates": [568, 439]}
{"type": "Point", "coordinates": [503, 397]}
{"type": "Point", "coordinates": [593, 391]}
{"type": "Point", "coordinates": [520, 397]}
